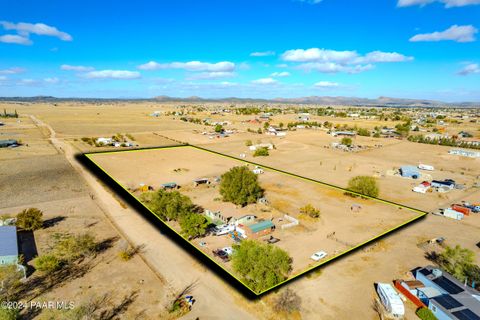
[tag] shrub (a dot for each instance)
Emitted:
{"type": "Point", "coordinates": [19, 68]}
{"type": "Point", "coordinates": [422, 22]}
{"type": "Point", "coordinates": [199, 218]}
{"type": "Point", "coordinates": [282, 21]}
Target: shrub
{"type": "Point", "coordinates": [288, 301]}
{"type": "Point", "coordinates": [425, 314]}
{"type": "Point", "coordinates": [364, 185]}
{"type": "Point", "coordinates": [310, 210]}
{"type": "Point", "coordinates": [248, 143]}
{"type": "Point", "coordinates": [261, 152]}
{"type": "Point", "coordinates": [30, 219]}
{"type": "Point", "coordinates": [346, 141]}
{"type": "Point", "coordinates": [69, 247]}
{"type": "Point", "coordinates": [47, 263]}
{"type": "Point", "coordinates": [240, 186]}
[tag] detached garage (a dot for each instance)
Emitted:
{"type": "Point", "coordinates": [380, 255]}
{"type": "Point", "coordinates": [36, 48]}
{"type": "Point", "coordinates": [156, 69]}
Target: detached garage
{"type": "Point", "coordinates": [410, 172]}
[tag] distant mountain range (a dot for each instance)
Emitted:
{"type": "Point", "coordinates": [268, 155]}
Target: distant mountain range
{"type": "Point", "coordinates": [317, 100]}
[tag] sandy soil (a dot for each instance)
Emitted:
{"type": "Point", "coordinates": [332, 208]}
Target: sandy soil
{"type": "Point", "coordinates": [287, 195]}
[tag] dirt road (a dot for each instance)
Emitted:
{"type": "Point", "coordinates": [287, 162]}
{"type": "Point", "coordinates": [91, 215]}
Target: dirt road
{"type": "Point", "coordinates": [214, 299]}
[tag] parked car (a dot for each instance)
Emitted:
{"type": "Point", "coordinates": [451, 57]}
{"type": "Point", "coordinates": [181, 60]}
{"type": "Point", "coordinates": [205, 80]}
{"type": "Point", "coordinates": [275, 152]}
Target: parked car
{"type": "Point", "coordinates": [319, 255]}
{"type": "Point", "coordinates": [228, 250]}
{"type": "Point", "coordinates": [221, 254]}
{"type": "Point", "coordinates": [272, 240]}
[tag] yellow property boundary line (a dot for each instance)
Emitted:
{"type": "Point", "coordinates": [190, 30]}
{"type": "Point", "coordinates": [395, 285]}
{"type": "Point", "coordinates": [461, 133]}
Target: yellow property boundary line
{"type": "Point", "coordinates": [421, 213]}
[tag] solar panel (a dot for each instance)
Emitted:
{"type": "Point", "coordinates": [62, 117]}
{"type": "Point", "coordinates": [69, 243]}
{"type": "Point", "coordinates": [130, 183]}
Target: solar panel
{"type": "Point", "coordinates": [447, 302]}
{"type": "Point", "coordinates": [448, 285]}
{"type": "Point", "coordinates": [425, 272]}
{"type": "Point", "coordinates": [466, 314]}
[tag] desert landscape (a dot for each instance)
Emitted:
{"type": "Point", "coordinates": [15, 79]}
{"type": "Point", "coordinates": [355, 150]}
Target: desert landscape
{"type": "Point", "coordinates": [47, 137]}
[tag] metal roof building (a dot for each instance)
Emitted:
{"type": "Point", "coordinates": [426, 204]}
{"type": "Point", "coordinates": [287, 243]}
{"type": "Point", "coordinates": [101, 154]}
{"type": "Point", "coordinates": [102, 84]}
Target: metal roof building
{"type": "Point", "coordinates": [8, 245]}
{"type": "Point", "coordinates": [410, 172]}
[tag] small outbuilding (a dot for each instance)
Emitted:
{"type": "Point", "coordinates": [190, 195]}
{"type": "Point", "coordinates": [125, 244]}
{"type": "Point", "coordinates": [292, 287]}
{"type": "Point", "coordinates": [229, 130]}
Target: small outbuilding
{"type": "Point", "coordinates": [8, 245]}
{"type": "Point", "coordinates": [410, 172]}
{"type": "Point", "coordinates": [260, 229]}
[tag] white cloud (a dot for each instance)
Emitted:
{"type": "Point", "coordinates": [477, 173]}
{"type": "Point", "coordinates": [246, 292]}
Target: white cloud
{"type": "Point", "coordinates": [326, 84]}
{"type": "Point", "coordinates": [262, 53]}
{"type": "Point", "coordinates": [28, 82]}
{"type": "Point", "coordinates": [41, 29]}
{"type": "Point", "coordinates": [265, 81]}
{"type": "Point", "coordinates": [454, 33]}
{"type": "Point", "coordinates": [310, 1]}
{"type": "Point", "coordinates": [3, 78]}
{"type": "Point", "coordinates": [15, 38]}
{"type": "Point", "coordinates": [318, 55]}
{"type": "Point", "coordinates": [14, 70]}
{"type": "Point", "coordinates": [280, 74]}
{"type": "Point", "coordinates": [51, 80]}
{"type": "Point", "coordinates": [472, 68]}
{"type": "Point", "coordinates": [68, 67]}
{"type": "Point", "coordinates": [332, 67]}
{"type": "Point", "coordinates": [224, 66]}
{"type": "Point", "coordinates": [332, 61]}
{"type": "Point", "coordinates": [211, 75]}
{"type": "Point", "coordinates": [112, 74]}
{"type": "Point", "coordinates": [379, 56]}
{"type": "Point", "coordinates": [447, 3]}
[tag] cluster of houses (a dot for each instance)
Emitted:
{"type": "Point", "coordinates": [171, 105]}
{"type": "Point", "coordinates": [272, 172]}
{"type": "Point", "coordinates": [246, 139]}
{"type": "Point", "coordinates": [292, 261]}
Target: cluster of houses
{"type": "Point", "coordinates": [111, 142]}
{"type": "Point", "coordinates": [465, 153]}
{"type": "Point", "coordinates": [445, 296]}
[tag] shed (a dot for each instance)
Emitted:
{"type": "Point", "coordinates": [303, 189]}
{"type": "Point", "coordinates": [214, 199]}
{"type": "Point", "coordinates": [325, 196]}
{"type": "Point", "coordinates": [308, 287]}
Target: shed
{"type": "Point", "coordinates": [170, 185]}
{"type": "Point", "coordinates": [8, 245]}
{"type": "Point", "coordinates": [410, 172]}
{"type": "Point", "coordinates": [260, 229]}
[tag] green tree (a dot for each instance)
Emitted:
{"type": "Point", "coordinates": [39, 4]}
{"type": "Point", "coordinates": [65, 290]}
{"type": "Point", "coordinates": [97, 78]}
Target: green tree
{"type": "Point", "coordinates": [168, 205]}
{"type": "Point", "coordinates": [261, 152]}
{"type": "Point", "coordinates": [456, 261]}
{"type": "Point", "coordinates": [193, 225]}
{"type": "Point", "coordinates": [260, 265]}
{"type": "Point", "coordinates": [30, 219]}
{"type": "Point", "coordinates": [240, 186]}
{"type": "Point", "coordinates": [364, 185]}
{"type": "Point", "coordinates": [248, 143]}
{"type": "Point", "coordinates": [363, 132]}
{"type": "Point", "coordinates": [310, 210]}
{"type": "Point", "coordinates": [47, 263]}
{"type": "Point", "coordinates": [346, 141]}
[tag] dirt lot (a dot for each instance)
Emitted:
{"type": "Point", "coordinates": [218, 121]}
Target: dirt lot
{"type": "Point", "coordinates": [286, 194]}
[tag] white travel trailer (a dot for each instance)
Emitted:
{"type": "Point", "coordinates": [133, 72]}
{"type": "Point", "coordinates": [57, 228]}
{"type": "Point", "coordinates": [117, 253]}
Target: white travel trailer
{"type": "Point", "coordinates": [391, 300]}
{"type": "Point", "coordinates": [425, 167]}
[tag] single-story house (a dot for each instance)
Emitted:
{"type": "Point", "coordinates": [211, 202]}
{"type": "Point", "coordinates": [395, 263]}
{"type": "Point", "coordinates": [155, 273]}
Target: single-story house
{"type": "Point", "coordinates": [343, 133]}
{"type": "Point", "coordinates": [410, 172]}
{"type": "Point", "coordinates": [450, 184]}
{"type": "Point", "coordinates": [8, 143]}
{"type": "Point", "coordinates": [8, 245]}
{"type": "Point", "coordinates": [259, 229]}
{"type": "Point", "coordinates": [215, 216]}
{"type": "Point", "coordinates": [445, 296]}
{"type": "Point", "coordinates": [245, 220]}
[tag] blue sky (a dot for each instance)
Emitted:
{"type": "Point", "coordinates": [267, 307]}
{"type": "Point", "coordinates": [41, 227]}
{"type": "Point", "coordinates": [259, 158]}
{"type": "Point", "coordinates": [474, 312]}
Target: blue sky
{"type": "Point", "coordinates": [259, 49]}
